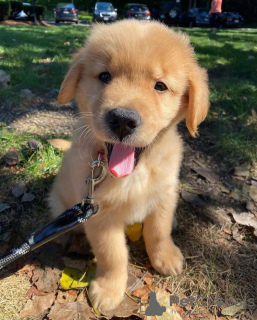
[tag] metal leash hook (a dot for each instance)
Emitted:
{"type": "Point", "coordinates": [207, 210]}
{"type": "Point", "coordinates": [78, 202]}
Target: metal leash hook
{"type": "Point", "coordinates": [92, 181]}
{"type": "Point", "coordinates": [66, 221]}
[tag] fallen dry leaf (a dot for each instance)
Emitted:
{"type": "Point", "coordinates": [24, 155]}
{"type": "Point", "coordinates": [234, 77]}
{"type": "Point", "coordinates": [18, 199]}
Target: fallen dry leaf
{"type": "Point", "coordinates": [246, 219]}
{"type": "Point", "coordinates": [12, 156]}
{"type": "Point", "coordinates": [4, 206]}
{"type": "Point", "coordinates": [192, 198]}
{"type": "Point", "coordinates": [148, 280]}
{"type": "Point", "coordinates": [134, 231]}
{"type": "Point", "coordinates": [228, 231]}
{"type": "Point", "coordinates": [127, 308]}
{"type": "Point", "coordinates": [231, 310]}
{"type": "Point", "coordinates": [142, 293]}
{"type": "Point", "coordinates": [75, 278]}
{"type": "Point", "coordinates": [37, 305]}
{"type": "Point", "coordinates": [33, 291]}
{"type": "Point", "coordinates": [34, 145]}
{"type": "Point", "coordinates": [19, 189]}
{"type": "Point", "coordinates": [60, 144]}
{"type": "Point", "coordinates": [46, 280]}
{"type": "Point", "coordinates": [28, 197]}
{"type": "Point", "coordinates": [206, 173]}
{"type": "Point", "coordinates": [28, 269]}
{"type": "Point", "coordinates": [66, 296]}
{"type": "Point", "coordinates": [71, 311]}
{"type": "Point", "coordinates": [253, 193]}
{"type": "Point", "coordinates": [242, 171]}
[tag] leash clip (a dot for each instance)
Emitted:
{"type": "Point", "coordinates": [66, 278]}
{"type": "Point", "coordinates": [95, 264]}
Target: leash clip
{"type": "Point", "coordinates": [92, 181]}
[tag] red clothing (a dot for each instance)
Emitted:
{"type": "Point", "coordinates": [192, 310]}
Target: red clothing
{"type": "Point", "coordinates": [216, 4]}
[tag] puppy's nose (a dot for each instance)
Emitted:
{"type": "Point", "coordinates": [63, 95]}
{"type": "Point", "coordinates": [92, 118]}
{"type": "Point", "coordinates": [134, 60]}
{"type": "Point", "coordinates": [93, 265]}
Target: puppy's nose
{"type": "Point", "coordinates": [123, 121]}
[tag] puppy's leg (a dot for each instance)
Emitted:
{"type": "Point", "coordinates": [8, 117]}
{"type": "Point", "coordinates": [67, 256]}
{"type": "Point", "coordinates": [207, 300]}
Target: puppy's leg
{"type": "Point", "coordinates": [108, 241]}
{"type": "Point", "coordinates": [165, 257]}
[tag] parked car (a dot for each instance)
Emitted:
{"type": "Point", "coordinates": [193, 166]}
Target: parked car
{"type": "Point", "coordinates": [137, 11]}
{"type": "Point", "coordinates": [104, 11]}
{"type": "Point", "coordinates": [167, 12]}
{"type": "Point", "coordinates": [231, 20]}
{"type": "Point", "coordinates": [195, 17]}
{"type": "Point", "coordinates": [66, 12]}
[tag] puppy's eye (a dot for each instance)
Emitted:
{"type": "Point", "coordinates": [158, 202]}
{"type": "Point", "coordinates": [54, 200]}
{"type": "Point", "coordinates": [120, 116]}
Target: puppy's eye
{"type": "Point", "coordinates": [105, 77]}
{"type": "Point", "coordinates": [160, 86]}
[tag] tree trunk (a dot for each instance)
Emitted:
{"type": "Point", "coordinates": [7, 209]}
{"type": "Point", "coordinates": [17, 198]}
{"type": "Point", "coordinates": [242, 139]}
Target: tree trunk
{"type": "Point", "coordinates": [34, 12]}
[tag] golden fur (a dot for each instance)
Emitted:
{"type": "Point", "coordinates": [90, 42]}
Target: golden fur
{"type": "Point", "coordinates": [137, 55]}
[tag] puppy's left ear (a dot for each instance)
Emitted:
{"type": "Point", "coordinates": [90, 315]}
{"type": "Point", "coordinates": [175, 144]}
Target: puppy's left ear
{"type": "Point", "coordinates": [69, 84]}
{"type": "Point", "coordinates": [198, 93]}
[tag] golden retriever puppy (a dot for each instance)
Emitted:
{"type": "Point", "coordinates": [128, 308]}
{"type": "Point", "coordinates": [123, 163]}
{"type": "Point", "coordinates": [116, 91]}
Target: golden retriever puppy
{"type": "Point", "coordinates": [134, 81]}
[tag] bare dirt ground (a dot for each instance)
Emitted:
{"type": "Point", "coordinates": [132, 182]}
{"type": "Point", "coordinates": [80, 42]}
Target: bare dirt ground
{"type": "Point", "coordinates": [216, 231]}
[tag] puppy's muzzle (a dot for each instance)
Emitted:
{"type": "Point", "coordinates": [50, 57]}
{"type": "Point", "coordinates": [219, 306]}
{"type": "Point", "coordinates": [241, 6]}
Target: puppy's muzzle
{"type": "Point", "coordinates": [123, 122]}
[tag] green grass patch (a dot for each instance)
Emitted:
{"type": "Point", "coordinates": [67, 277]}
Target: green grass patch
{"type": "Point", "coordinates": [37, 57]}
{"type": "Point", "coordinates": [230, 57]}
{"type": "Point", "coordinates": [34, 167]}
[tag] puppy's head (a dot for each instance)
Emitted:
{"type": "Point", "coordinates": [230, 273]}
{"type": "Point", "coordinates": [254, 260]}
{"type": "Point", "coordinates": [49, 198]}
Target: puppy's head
{"type": "Point", "coordinates": [136, 78]}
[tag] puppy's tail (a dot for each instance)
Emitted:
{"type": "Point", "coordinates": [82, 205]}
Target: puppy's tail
{"type": "Point", "coordinates": [60, 144]}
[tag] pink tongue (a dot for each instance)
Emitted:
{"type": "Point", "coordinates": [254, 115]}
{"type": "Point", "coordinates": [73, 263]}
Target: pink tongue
{"type": "Point", "coordinates": [121, 163]}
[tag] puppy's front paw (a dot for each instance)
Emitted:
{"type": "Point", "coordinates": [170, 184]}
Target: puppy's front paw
{"type": "Point", "coordinates": [168, 260]}
{"type": "Point", "coordinates": [106, 295]}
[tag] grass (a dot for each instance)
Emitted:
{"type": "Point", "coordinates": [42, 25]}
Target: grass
{"type": "Point", "coordinates": [37, 57]}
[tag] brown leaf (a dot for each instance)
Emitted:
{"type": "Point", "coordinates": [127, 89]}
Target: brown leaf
{"type": "Point", "coordinates": [127, 308]}
{"type": "Point", "coordinates": [46, 280]}
{"type": "Point", "coordinates": [250, 205]}
{"type": "Point", "coordinates": [206, 173]}
{"type": "Point", "coordinates": [148, 280]}
{"type": "Point", "coordinates": [60, 144]}
{"type": "Point", "coordinates": [28, 197]}
{"type": "Point", "coordinates": [66, 296]}
{"type": "Point", "coordinates": [12, 156]}
{"type": "Point", "coordinates": [237, 236]}
{"type": "Point", "coordinates": [37, 305]}
{"type": "Point", "coordinates": [71, 311]}
{"type": "Point", "coordinates": [246, 219]}
{"type": "Point", "coordinates": [34, 145]}
{"type": "Point", "coordinates": [29, 269]}
{"type": "Point", "coordinates": [228, 231]}
{"type": "Point", "coordinates": [235, 194]}
{"type": "Point", "coordinates": [192, 198]}
{"type": "Point", "coordinates": [19, 189]}
{"type": "Point", "coordinates": [242, 171]}
{"type": "Point", "coordinates": [253, 193]}
{"type": "Point", "coordinates": [142, 293]}
{"type": "Point", "coordinates": [33, 291]}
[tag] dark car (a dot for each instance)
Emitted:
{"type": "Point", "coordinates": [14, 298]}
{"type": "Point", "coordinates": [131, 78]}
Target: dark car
{"type": "Point", "coordinates": [195, 17]}
{"type": "Point", "coordinates": [66, 12]}
{"type": "Point", "coordinates": [137, 11]}
{"type": "Point", "coordinates": [231, 20]}
{"type": "Point", "coordinates": [167, 12]}
{"type": "Point", "coordinates": [104, 11]}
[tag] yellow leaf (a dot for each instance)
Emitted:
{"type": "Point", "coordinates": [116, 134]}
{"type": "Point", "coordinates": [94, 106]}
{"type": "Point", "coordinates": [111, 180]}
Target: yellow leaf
{"type": "Point", "coordinates": [230, 311]}
{"type": "Point", "coordinates": [134, 231]}
{"type": "Point", "coordinates": [75, 278]}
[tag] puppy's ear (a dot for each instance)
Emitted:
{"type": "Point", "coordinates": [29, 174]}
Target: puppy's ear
{"type": "Point", "coordinates": [198, 94]}
{"type": "Point", "coordinates": [69, 84]}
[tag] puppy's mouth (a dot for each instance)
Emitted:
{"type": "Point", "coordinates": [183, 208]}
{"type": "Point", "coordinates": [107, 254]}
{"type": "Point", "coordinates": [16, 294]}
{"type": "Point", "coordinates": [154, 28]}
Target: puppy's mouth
{"type": "Point", "coordinates": [122, 158]}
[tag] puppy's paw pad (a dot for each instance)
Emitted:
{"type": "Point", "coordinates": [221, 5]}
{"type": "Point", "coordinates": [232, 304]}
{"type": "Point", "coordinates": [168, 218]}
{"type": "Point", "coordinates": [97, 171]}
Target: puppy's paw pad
{"type": "Point", "coordinates": [104, 296]}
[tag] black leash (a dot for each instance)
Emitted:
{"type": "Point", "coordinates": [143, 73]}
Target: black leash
{"type": "Point", "coordinates": [68, 220]}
